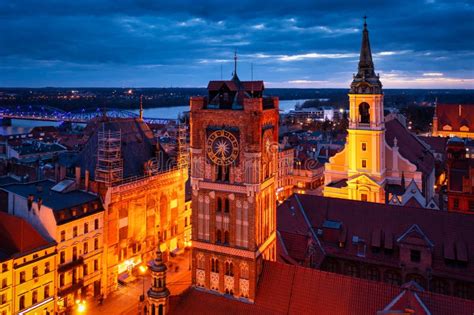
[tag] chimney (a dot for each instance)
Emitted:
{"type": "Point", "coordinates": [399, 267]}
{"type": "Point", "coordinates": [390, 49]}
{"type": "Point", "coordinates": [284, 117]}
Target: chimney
{"type": "Point", "coordinates": [86, 180]}
{"type": "Point", "coordinates": [62, 172]}
{"type": "Point", "coordinates": [56, 172]}
{"type": "Point", "coordinates": [78, 177]}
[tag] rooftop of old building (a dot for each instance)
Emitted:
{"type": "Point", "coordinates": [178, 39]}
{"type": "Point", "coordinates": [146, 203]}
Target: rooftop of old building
{"type": "Point", "coordinates": [19, 238]}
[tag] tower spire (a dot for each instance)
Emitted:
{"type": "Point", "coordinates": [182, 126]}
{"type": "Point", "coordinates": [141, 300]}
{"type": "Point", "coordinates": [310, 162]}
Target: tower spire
{"type": "Point", "coordinates": [235, 63]}
{"type": "Point", "coordinates": [366, 70]}
{"type": "Point", "coordinates": [366, 64]}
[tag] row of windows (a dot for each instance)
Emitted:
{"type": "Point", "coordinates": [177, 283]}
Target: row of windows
{"type": "Point", "coordinates": [34, 297]}
{"type": "Point", "coordinates": [395, 278]}
{"type": "Point", "coordinates": [35, 272]}
{"type": "Point", "coordinates": [75, 230]}
{"type": "Point", "coordinates": [62, 277]}
{"type": "Point", "coordinates": [228, 267]}
{"type": "Point", "coordinates": [456, 204]}
{"type": "Point", "coordinates": [85, 247]}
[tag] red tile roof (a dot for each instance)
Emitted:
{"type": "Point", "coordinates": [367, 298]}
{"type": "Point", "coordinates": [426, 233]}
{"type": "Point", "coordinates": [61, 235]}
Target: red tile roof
{"type": "Point", "coordinates": [18, 237]}
{"type": "Point", "coordinates": [286, 289]}
{"type": "Point", "coordinates": [362, 219]}
{"type": "Point", "coordinates": [437, 144]}
{"type": "Point", "coordinates": [455, 115]}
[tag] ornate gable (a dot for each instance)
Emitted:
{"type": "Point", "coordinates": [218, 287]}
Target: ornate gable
{"type": "Point", "coordinates": [415, 236]}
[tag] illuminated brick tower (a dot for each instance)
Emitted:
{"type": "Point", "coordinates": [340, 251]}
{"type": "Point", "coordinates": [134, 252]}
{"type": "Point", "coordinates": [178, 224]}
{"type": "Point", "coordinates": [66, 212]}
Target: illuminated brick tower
{"type": "Point", "coordinates": [234, 131]}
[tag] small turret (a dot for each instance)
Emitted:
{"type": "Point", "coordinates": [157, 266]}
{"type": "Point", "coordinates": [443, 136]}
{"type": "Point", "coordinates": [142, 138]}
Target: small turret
{"type": "Point", "coordinates": [158, 294]}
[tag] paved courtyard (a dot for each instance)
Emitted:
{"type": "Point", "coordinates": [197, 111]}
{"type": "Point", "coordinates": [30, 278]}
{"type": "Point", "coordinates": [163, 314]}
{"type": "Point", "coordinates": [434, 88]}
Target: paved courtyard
{"type": "Point", "coordinates": [126, 300]}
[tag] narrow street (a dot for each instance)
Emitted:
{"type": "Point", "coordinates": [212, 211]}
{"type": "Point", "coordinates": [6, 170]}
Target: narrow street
{"type": "Point", "coordinates": [127, 297]}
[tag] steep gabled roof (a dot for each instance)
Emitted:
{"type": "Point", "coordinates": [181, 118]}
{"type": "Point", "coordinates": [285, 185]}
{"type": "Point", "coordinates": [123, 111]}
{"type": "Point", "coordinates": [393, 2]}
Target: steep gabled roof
{"type": "Point", "coordinates": [455, 115]}
{"type": "Point", "coordinates": [443, 229]}
{"type": "Point", "coordinates": [409, 146]}
{"type": "Point", "coordinates": [19, 238]}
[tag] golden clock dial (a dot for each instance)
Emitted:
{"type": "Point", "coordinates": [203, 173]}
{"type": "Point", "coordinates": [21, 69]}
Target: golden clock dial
{"type": "Point", "coordinates": [222, 147]}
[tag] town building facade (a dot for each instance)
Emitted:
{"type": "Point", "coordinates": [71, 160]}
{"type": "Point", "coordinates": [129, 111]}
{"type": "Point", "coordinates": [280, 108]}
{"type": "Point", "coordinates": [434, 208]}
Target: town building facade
{"type": "Point", "coordinates": [27, 269]}
{"type": "Point", "coordinates": [143, 192]}
{"type": "Point", "coordinates": [234, 136]}
{"type": "Point", "coordinates": [74, 219]}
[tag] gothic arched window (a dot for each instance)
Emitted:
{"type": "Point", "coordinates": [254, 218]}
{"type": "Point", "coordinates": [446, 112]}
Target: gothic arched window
{"type": "Point", "coordinates": [226, 237]}
{"type": "Point", "coordinates": [364, 113]}
{"type": "Point", "coordinates": [218, 236]}
{"type": "Point", "coordinates": [219, 204]}
{"type": "Point", "coordinates": [227, 205]}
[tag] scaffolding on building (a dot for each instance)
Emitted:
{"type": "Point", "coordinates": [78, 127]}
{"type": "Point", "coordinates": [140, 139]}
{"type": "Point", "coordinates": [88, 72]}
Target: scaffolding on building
{"type": "Point", "coordinates": [109, 168]}
{"type": "Point", "coordinates": [182, 144]}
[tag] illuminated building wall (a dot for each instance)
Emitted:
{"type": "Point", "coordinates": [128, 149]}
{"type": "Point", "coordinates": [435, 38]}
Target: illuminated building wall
{"type": "Point", "coordinates": [286, 160]}
{"type": "Point", "coordinates": [74, 219]}
{"type": "Point", "coordinates": [233, 178]}
{"type": "Point", "coordinates": [137, 214]}
{"type": "Point", "coordinates": [27, 269]}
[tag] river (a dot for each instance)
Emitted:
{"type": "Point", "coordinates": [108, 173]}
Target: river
{"type": "Point", "coordinates": [24, 126]}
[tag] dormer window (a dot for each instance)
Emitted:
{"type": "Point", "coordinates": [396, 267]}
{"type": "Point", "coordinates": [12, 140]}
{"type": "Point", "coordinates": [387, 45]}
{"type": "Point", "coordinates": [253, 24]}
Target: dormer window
{"type": "Point", "coordinates": [415, 255]}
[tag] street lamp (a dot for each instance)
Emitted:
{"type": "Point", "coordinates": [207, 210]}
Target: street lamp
{"type": "Point", "coordinates": [81, 306]}
{"type": "Point", "coordinates": [143, 269]}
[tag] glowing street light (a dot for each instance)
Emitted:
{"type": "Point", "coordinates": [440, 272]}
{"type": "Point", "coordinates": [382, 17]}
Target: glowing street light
{"type": "Point", "coordinates": [81, 306]}
{"type": "Point", "coordinates": [142, 270]}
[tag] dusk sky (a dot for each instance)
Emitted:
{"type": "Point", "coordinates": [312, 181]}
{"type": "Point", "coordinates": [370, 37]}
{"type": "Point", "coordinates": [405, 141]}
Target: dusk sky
{"type": "Point", "coordinates": [115, 43]}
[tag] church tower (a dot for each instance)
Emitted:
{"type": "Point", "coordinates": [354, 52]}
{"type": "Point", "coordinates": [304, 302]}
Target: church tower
{"type": "Point", "coordinates": [234, 132]}
{"type": "Point", "coordinates": [158, 294]}
{"type": "Point", "coordinates": [363, 159]}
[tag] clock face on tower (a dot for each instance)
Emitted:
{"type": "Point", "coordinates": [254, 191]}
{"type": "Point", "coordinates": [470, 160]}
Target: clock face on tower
{"type": "Point", "coordinates": [222, 147]}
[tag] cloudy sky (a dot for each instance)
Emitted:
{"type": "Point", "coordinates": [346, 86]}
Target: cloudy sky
{"type": "Point", "coordinates": [296, 43]}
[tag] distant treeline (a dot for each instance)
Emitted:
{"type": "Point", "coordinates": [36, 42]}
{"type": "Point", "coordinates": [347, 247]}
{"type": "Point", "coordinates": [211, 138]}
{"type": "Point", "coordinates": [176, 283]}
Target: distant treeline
{"type": "Point", "coordinates": [126, 98]}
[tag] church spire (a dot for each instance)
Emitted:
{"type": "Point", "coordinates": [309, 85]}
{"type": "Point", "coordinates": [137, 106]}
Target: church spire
{"type": "Point", "coordinates": [234, 75]}
{"type": "Point", "coordinates": [366, 81]}
{"type": "Point", "coordinates": [366, 65]}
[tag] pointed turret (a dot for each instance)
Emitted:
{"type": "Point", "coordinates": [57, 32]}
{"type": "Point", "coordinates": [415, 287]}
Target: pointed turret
{"type": "Point", "coordinates": [366, 81]}
{"type": "Point", "coordinates": [158, 294]}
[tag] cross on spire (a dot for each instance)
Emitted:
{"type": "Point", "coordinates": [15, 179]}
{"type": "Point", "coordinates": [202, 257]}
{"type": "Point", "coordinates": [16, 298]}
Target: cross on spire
{"type": "Point", "coordinates": [365, 21]}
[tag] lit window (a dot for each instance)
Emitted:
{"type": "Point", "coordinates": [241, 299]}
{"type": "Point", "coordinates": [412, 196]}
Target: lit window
{"type": "Point", "coordinates": [363, 197]}
{"type": "Point", "coordinates": [456, 203]}
{"type": "Point", "coordinates": [34, 298]}
{"type": "Point", "coordinates": [22, 277]}
{"type": "Point", "coordinates": [46, 267]}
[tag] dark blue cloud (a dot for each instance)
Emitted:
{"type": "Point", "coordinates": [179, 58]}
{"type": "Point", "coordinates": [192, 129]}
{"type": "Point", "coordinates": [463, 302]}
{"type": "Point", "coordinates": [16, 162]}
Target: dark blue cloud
{"type": "Point", "coordinates": [186, 43]}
